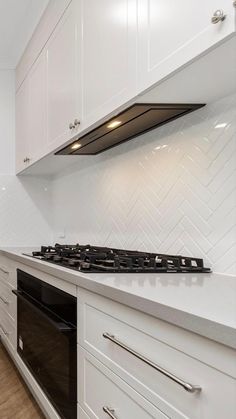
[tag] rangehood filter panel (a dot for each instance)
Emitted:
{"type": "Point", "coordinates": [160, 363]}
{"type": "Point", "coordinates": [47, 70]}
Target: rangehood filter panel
{"type": "Point", "coordinates": [134, 121]}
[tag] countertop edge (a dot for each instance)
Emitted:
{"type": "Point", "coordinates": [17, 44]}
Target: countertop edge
{"type": "Point", "coordinates": [218, 332]}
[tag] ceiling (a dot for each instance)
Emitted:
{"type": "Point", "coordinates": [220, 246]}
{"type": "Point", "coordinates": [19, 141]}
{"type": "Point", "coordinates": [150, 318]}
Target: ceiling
{"type": "Point", "coordinates": [18, 19]}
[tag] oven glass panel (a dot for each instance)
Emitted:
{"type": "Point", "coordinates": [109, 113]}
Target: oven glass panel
{"type": "Point", "coordinates": [47, 345]}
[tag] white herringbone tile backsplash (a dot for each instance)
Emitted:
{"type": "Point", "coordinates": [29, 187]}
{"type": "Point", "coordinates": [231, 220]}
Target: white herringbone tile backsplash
{"type": "Point", "coordinates": [25, 211]}
{"type": "Point", "coordinates": [172, 190]}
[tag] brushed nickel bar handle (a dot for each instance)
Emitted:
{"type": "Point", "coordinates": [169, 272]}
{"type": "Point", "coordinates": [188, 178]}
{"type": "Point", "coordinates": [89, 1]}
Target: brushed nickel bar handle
{"type": "Point", "coordinates": [109, 412]}
{"type": "Point", "coordinates": [3, 300]}
{"type": "Point", "coordinates": [3, 270]}
{"type": "Point", "coordinates": [188, 387]}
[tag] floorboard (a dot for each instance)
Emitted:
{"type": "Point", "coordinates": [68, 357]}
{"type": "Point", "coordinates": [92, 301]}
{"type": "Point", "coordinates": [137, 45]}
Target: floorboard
{"type": "Point", "coordinates": [16, 402]}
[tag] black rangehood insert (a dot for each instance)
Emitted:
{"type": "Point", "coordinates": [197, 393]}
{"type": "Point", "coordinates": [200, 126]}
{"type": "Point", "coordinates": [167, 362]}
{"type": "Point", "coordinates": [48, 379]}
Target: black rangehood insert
{"type": "Point", "coordinates": [132, 122]}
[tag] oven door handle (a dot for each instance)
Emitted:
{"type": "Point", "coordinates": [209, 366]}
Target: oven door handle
{"type": "Point", "coordinates": [59, 325]}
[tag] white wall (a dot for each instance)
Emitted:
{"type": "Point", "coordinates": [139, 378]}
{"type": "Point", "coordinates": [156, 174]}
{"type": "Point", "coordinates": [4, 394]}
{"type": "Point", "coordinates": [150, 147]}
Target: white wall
{"type": "Point", "coordinates": [7, 121]}
{"type": "Point", "coordinates": [172, 190]}
{"type": "Point", "coordinates": [25, 203]}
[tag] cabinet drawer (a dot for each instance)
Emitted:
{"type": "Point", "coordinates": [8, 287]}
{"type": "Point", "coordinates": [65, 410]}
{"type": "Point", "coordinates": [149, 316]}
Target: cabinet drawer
{"type": "Point", "coordinates": [7, 271]}
{"type": "Point", "coordinates": [4, 270]}
{"type": "Point", "coordinates": [7, 300]}
{"type": "Point", "coordinates": [81, 413]}
{"type": "Point", "coordinates": [131, 362]}
{"type": "Point", "coordinates": [101, 391]}
{"type": "Point", "coordinates": [7, 330]}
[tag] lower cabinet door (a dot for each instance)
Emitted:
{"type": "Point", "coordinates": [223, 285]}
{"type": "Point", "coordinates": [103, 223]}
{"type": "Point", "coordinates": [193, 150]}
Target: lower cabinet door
{"type": "Point", "coordinates": [7, 331]}
{"type": "Point", "coordinates": [62, 80]}
{"type": "Point", "coordinates": [81, 413]}
{"type": "Point", "coordinates": [103, 395]}
{"type": "Point", "coordinates": [8, 300]}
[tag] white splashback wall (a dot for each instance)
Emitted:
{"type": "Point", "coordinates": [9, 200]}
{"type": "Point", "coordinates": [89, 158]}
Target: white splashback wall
{"type": "Point", "coordinates": [25, 211]}
{"type": "Point", "coordinates": [25, 203]}
{"type": "Point", "coordinates": [172, 190]}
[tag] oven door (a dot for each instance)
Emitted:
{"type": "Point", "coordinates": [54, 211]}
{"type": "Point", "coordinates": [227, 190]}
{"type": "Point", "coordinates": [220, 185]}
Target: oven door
{"type": "Point", "coordinates": [48, 348]}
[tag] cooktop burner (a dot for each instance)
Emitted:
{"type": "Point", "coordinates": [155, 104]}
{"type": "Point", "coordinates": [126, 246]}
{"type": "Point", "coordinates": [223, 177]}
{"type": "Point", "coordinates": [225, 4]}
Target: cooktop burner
{"type": "Point", "coordinates": [87, 258]}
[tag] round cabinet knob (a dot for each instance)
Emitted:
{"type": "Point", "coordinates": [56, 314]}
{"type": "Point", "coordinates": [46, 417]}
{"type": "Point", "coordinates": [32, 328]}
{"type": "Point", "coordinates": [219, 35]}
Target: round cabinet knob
{"type": "Point", "coordinates": [218, 16]}
{"type": "Point", "coordinates": [71, 126]}
{"type": "Point", "coordinates": [26, 160]}
{"type": "Point", "coordinates": [76, 122]}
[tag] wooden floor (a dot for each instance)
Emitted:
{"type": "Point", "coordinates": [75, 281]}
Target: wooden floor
{"type": "Point", "coordinates": [16, 401]}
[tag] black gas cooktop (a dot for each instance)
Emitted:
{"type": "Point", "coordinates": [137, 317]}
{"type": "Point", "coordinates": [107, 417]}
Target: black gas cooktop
{"type": "Point", "coordinates": [87, 258]}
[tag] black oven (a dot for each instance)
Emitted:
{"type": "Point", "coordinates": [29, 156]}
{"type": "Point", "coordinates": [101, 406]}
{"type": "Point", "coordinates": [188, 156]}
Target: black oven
{"type": "Point", "coordinates": [46, 336]}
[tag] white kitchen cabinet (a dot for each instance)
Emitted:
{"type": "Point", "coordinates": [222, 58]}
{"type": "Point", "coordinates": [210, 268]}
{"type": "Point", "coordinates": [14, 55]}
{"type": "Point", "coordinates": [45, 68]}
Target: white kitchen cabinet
{"type": "Point", "coordinates": [42, 33]}
{"type": "Point", "coordinates": [100, 57]}
{"type": "Point", "coordinates": [31, 113]}
{"type": "Point", "coordinates": [7, 300]}
{"type": "Point", "coordinates": [81, 413]}
{"type": "Point", "coordinates": [172, 33]}
{"type": "Point", "coordinates": [136, 337]}
{"type": "Point", "coordinates": [108, 55]}
{"type": "Point", "coordinates": [7, 331]}
{"type": "Point", "coordinates": [8, 304]}
{"type": "Point", "coordinates": [63, 74]}
{"type": "Point", "coordinates": [37, 113]}
{"type": "Point", "coordinates": [103, 394]}
{"type": "Point", "coordinates": [22, 126]}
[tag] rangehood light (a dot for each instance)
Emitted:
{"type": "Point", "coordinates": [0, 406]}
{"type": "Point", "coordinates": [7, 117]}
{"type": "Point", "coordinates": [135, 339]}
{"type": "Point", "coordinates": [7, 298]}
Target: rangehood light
{"type": "Point", "coordinates": [75, 146]}
{"type": "Point", "coordinates": [133, 121]}
{"type": "Point", "coordinates": [114, 124]}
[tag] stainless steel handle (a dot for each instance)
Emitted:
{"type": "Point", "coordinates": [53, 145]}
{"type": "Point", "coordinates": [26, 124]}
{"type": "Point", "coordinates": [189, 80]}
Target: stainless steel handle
{"type": "Point", "coordinates": [3, 270]}
{"type": "Point", "coordinates": [76, 122]}
{"type": "Point", "coordinates": [71, 126]}
{"type": "Point", "coordinates": [188, 387]}
{"type": "Point", "coordinates": [3, 300]}
{"type": "Point", "coordinates": [109, 412]}
{"type": "Point", "coordinates": [218, 16]}
{"type": "Point", "coordinates": [4, 331]}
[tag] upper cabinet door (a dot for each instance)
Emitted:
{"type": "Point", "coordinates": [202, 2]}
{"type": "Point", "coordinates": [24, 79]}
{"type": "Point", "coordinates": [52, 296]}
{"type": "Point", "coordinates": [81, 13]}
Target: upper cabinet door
{"type": "Point", "coordinates": [37, 115]}
{"type": "Point", "coordinates": [171, 33]}
{"type": "Point", "coordinates": [63, 75]}
{"type": "Point", "coordinates": [108, 56]}
{"type": "Point", "coordinates": [22, 126]}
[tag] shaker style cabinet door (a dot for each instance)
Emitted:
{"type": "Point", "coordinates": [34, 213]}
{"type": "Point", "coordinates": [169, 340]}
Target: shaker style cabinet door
{"type": "Point", "coordinates": [171, 33]}
{"type": "Point", "coordinates": [37, 118]}
{"type": "Point", "coordinates": [63, 75]}
{"type": "Point", "coordinates": [22, 126]}
{"type": "Point", "coordinates": [108, 56]}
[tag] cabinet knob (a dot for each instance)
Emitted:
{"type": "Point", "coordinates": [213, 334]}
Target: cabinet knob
{"type": "Point", "coordinates": [218, 16]}
{"type": "Point", "coordinates": [26, 160]}
{"type": "Point", "coordinates": [71, 126]}
{"type": "Point", "coordinates": [76, 122]}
